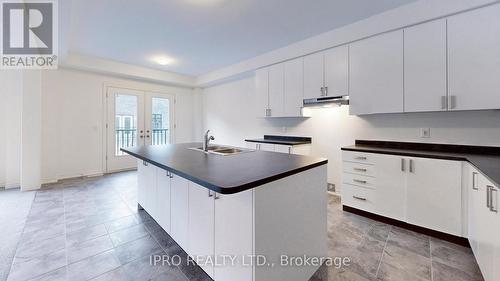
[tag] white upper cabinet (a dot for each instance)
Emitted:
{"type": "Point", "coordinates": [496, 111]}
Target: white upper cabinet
{"type": "Point", "coordinates": [313, 75]}
{"type": "Point", "coordinates": [337, 71]}
{"type": "Point", "coordinates": [294, 87]}
{"type": "Point", "coordinates": [262, 91]}
{"type": "Point", "coordinates": [376, 74]}
{"type": "Point", "coordinates": [425, 67]}
{"type": "Point", "coordinates": [474, 60]}
{"type": "Point", "coordinates": [276, 90]}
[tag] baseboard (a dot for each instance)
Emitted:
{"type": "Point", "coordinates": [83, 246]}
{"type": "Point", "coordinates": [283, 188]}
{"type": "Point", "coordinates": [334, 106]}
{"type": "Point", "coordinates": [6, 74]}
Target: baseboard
{"type": "Point", "coordinates": [430, 232]}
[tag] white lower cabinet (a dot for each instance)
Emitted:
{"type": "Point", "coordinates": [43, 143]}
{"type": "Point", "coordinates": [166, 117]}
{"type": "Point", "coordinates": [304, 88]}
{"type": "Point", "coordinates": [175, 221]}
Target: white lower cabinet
{"type": "Point", "coordinates": [484, 223]}
{"type": "Point", "coordinates": [420, 191]}
{"type": "Point", "coordinates": [146, 182]}
{"type": "Point", "coordinates": [201, 227]}
{"type": "Point", "coordinates": [434, 194]}
{"type": "Point", "coordinates": [304, 149]}
{"type": "Point", "coordinates": [163, 192]}
{"type": "Point", "coordinates": [179, 228]}
{"type": "Point", "coordinates": [234, 235]}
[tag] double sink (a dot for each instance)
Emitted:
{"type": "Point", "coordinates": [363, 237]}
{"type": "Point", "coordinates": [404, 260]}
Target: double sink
{"type": "Point", "coordinates": [222, 150]}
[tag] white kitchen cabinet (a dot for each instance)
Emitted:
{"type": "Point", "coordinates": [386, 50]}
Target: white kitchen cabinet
{"type": "Point", "coordinates": [376, 74]}
{"type": "Point", "coordinates": [163, 199]}
{"type": "Point", "coordinates": [337, 71]}
{"type": "Point", "coordinates": [314, 75]}
{"type": "Point", "coordinates": [327, 73]}
{"type": "Point", "coordinates": [391, 186]}
{"type": "Point", "coordinates": [266, 147]}
{"type": "Point", "coordinates": [276, 90]}
{"type": "Point", "coordinates": [293, 87]}
{"type": "Point", "coordinates": [146, 182]}
{"type": "Point", "coordinates": [234, 234]}
{"type": "Point", "coordinates": [434, 194]}
{"type": "Point", "coordinates": [473, 60]}
{"type": "Point", "coordinates": [201, 226]}
{"type": "Point", "coordinates": [303, 149]}
{"type": "Point", "coordinates": [262, 91]}
{"type": "Point", "coordinates": [179, 228]}
{"type": "Point", "coordinates": [425, 67]}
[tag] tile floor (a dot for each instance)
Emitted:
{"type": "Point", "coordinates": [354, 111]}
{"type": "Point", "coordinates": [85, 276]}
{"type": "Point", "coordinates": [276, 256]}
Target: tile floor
{"type": "Point", "coordinates": [90, 229]}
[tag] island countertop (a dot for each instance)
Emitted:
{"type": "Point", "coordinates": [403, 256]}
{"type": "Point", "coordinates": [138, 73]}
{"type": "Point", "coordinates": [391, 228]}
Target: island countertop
{"type": "Point", "coordinates": [224, 174]}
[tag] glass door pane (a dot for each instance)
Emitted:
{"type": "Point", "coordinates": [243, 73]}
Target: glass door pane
{"type": "Point", "coordinates": [160, 121]}
{"type": "Point", "coordinates": [125, 122]}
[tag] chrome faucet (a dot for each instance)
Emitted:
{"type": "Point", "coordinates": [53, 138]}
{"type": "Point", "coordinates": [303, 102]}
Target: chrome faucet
{"type": "Point", "coordinates": [206, 140]}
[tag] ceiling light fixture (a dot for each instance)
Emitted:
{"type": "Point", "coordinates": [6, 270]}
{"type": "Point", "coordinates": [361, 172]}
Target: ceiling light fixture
{"type": "Point", "coordinates": [162, 60]}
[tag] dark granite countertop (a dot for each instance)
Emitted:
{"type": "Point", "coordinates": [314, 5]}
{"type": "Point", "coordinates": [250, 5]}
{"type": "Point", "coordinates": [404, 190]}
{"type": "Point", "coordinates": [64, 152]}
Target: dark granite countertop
{"type": "Point", "coordinates": [283, 140]}
{"type": "Point", "coordinates": [225, 174]}
{"type": "Point", "coordinates": [485, 158]}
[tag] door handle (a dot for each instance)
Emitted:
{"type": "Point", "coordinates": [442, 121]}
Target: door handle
{"type": "Point", "coordinates": [493, 208]}
{"type": "Point", "coordinates": [474, 186]}
{"type": "Point", "coordinates": [412, 169]}
{"type": "Point", "coordinates": [488, 205]}
{"type": "Point", "coordinates": [361, 158]}
{"type": "Point", "coordinates": [359, 198]}
{"type": "Point", "coordinates": [216, 197]}
{"type": "Point", "coordinates": [452, 102]}
{"type": "Point", "coordinates": [210, 193]}
{"type": "Point", "coordinates": [403, 165]}
{"type": "Point", "coordinates": [145, 163]}
{"type": "Point", "coordinates": [147, 136]}
{"type": "Point", "coordinates": [359, 181]}
{"type": "Point", "coordinates": [141, 136]}
{"type": "Point", "coordinates": [360, 169]}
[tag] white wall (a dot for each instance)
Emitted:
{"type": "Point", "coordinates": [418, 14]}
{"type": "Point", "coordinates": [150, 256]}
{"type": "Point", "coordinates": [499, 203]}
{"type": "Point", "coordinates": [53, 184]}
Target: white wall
{"type": "Point", "coordinates": [230, 112]}
{"type": "Point", "coordinates": [72, 118]}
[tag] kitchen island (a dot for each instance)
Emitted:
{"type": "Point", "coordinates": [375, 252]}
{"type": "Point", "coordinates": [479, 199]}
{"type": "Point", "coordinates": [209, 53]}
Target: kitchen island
{"type": "Point", "coordinates": [241, 216]}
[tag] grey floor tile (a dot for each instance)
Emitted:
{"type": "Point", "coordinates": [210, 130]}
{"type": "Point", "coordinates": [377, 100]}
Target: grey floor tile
{"type": "Point", "coordinates": [33, 249]}
{"type": "Point", "coordinates": [56, 275]}
{"type": "Point", "coordinates": [402, 264]}
{"type": "Point", "coordinates": [443, 272]}
{"type": "Point", "coordinates": [88, 248]}
{"type": "Point", "coordinates": [411, 241]}
{"type": "Point", "coordinates": [94, 266]}
{"type": "Point", "coordinates": [142, 269]}
{"type": "Point", "coordinates": [121, 223]}
{"type": "Point", "coordinates": [23, 269]}
{"type": "Point", "coordinates": [128, 234]}
{"type": "Point", "coordinates": [139, 248]}
{"type": "Point", "coordinates": [85, 234]}
{"type": "Point", "coordinates": [455, 256]}
{"type": "Point", "coordinates": [114, 275]}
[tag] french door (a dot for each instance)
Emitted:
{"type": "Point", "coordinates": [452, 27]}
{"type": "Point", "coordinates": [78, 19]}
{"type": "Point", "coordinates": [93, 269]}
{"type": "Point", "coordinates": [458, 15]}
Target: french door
{"type": "Point", "coordinates": [136, 118]}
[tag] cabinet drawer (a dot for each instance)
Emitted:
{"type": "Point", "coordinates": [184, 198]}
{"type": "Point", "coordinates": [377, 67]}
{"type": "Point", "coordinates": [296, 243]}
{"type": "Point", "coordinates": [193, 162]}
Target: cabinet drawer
{"type": "Point", "coordinates": [359, 169]}
{"type": "Point", "coordinates": [359, 180]}
{"type": "Point", "coordinates": [358, 197]}
{"type": "Point", "coordinates": [358, 157]}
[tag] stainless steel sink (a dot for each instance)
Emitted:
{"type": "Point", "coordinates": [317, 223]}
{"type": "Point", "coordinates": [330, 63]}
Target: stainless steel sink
{"type": "Point", "coordinates": [222, 150]}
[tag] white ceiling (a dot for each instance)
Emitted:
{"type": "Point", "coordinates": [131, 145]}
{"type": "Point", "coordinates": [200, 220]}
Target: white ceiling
{"type": "Point", "coordinates": [204, 35]}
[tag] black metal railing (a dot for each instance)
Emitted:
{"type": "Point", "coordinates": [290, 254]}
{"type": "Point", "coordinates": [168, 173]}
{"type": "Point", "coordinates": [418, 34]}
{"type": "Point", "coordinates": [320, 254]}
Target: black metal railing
{"type": "Point", "coordinates": [128, 137]}
{"type": "Point", "coordinates": [124, 138]}
{"type": "Point", "coordinates": [160, 136]}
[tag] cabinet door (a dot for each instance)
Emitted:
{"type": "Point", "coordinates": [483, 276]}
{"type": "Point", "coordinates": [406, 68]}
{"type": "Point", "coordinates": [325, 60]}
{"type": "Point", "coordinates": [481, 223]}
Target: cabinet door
{"type": "Point", "coordinates": [486, 234]}
{"type": "Point", "coordinates": [142, 183]}
{"type": "Point", "coordinates": [234, 234]}
{"type": "Point", "coordinates": [276, 90]}
{"type": "Point", "coordinates": [262, 91]}
{"type": "Point", "coordinates": [493, 235]}
{"type": "Point", "coordinates": [473, 207]}
{"type": "Point", "coordinates": [434, 194]}
{"type": "Point", "coordinates": [147, 187]}
{"type": "Point", "coordinates": [425, 67]}
{"type": "Point", "coordinates": [376, 74]}
{"type": "Point", "coordinates": [180, 210]}
{"type": "Point", "coordinates": [163, 200]}
{"type": "Point", "coordinates": [337, 71]}
{"type": "Point", "coordinates": [313, 75]}
{"type": "Point", "coordinates": [201, 225]}
{"type": "Point", "coordinates": [252, 145]}
{"type": "Point", "coordinates": [474, 63]}
{"type": "Point", "coordinates": [294, 87]}
{"type": "Point", "coordinates": [266, 146]}
{"type": "Point", "coordinates": [390, 172]}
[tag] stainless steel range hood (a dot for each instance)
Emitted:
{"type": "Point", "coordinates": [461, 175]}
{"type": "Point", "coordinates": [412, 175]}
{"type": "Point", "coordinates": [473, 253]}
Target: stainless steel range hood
{"type": "Point", "coordinates": [325, 101]}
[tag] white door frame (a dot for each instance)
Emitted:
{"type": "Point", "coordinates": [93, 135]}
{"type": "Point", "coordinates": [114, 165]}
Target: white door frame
{"type": "Point", "coordinates": [106, 126]}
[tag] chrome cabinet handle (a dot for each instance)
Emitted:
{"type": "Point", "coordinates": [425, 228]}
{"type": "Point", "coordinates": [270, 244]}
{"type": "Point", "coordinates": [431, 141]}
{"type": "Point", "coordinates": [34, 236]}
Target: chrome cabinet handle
{"type": "Point", "coordinates": [145, 163]}
{"type": "Point", "coordinates": [326, 91]}
{"type": "Point", "coordinates": [210, 193]}
{"type": "Point", "coordinates": [322, 90]}
{"type": "Point", "coordinates": [474, 184]}
{"type": "Point", "coordinates": [361, 158]}
{"type": "Point", "coordinates": [360, 169]}
{"type": "Point", "coordinates": [452, 102]}
{"type": "Point", "coordinates": [403, 165]}
{"type": "Point", "coordinates": [359, 198]}
{"type": "Point", "coordinates": [216, 196]}
{"type": "Point", "coordinates": [443, 102]}
{"type": "Point", "coordinates": [412, 170]}
{"type": "Point", "coordinates": [493, 208]}
{"type": "Point", "coordinates": [488, 205]}
{"type": "Point", "coordinates": [359, 181]}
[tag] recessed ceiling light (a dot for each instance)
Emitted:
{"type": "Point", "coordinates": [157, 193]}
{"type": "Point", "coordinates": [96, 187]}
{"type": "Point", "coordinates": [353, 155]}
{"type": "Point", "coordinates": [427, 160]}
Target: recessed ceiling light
{"type": "Point", "coordinates": [163, 60]}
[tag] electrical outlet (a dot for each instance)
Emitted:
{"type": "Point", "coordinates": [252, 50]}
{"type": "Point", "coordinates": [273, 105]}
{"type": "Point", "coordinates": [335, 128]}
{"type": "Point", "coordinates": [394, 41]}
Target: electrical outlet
{"type": "Point", "coordinates": [330, 187]}
{"type": "Point", "coordinates": [425, 132]}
